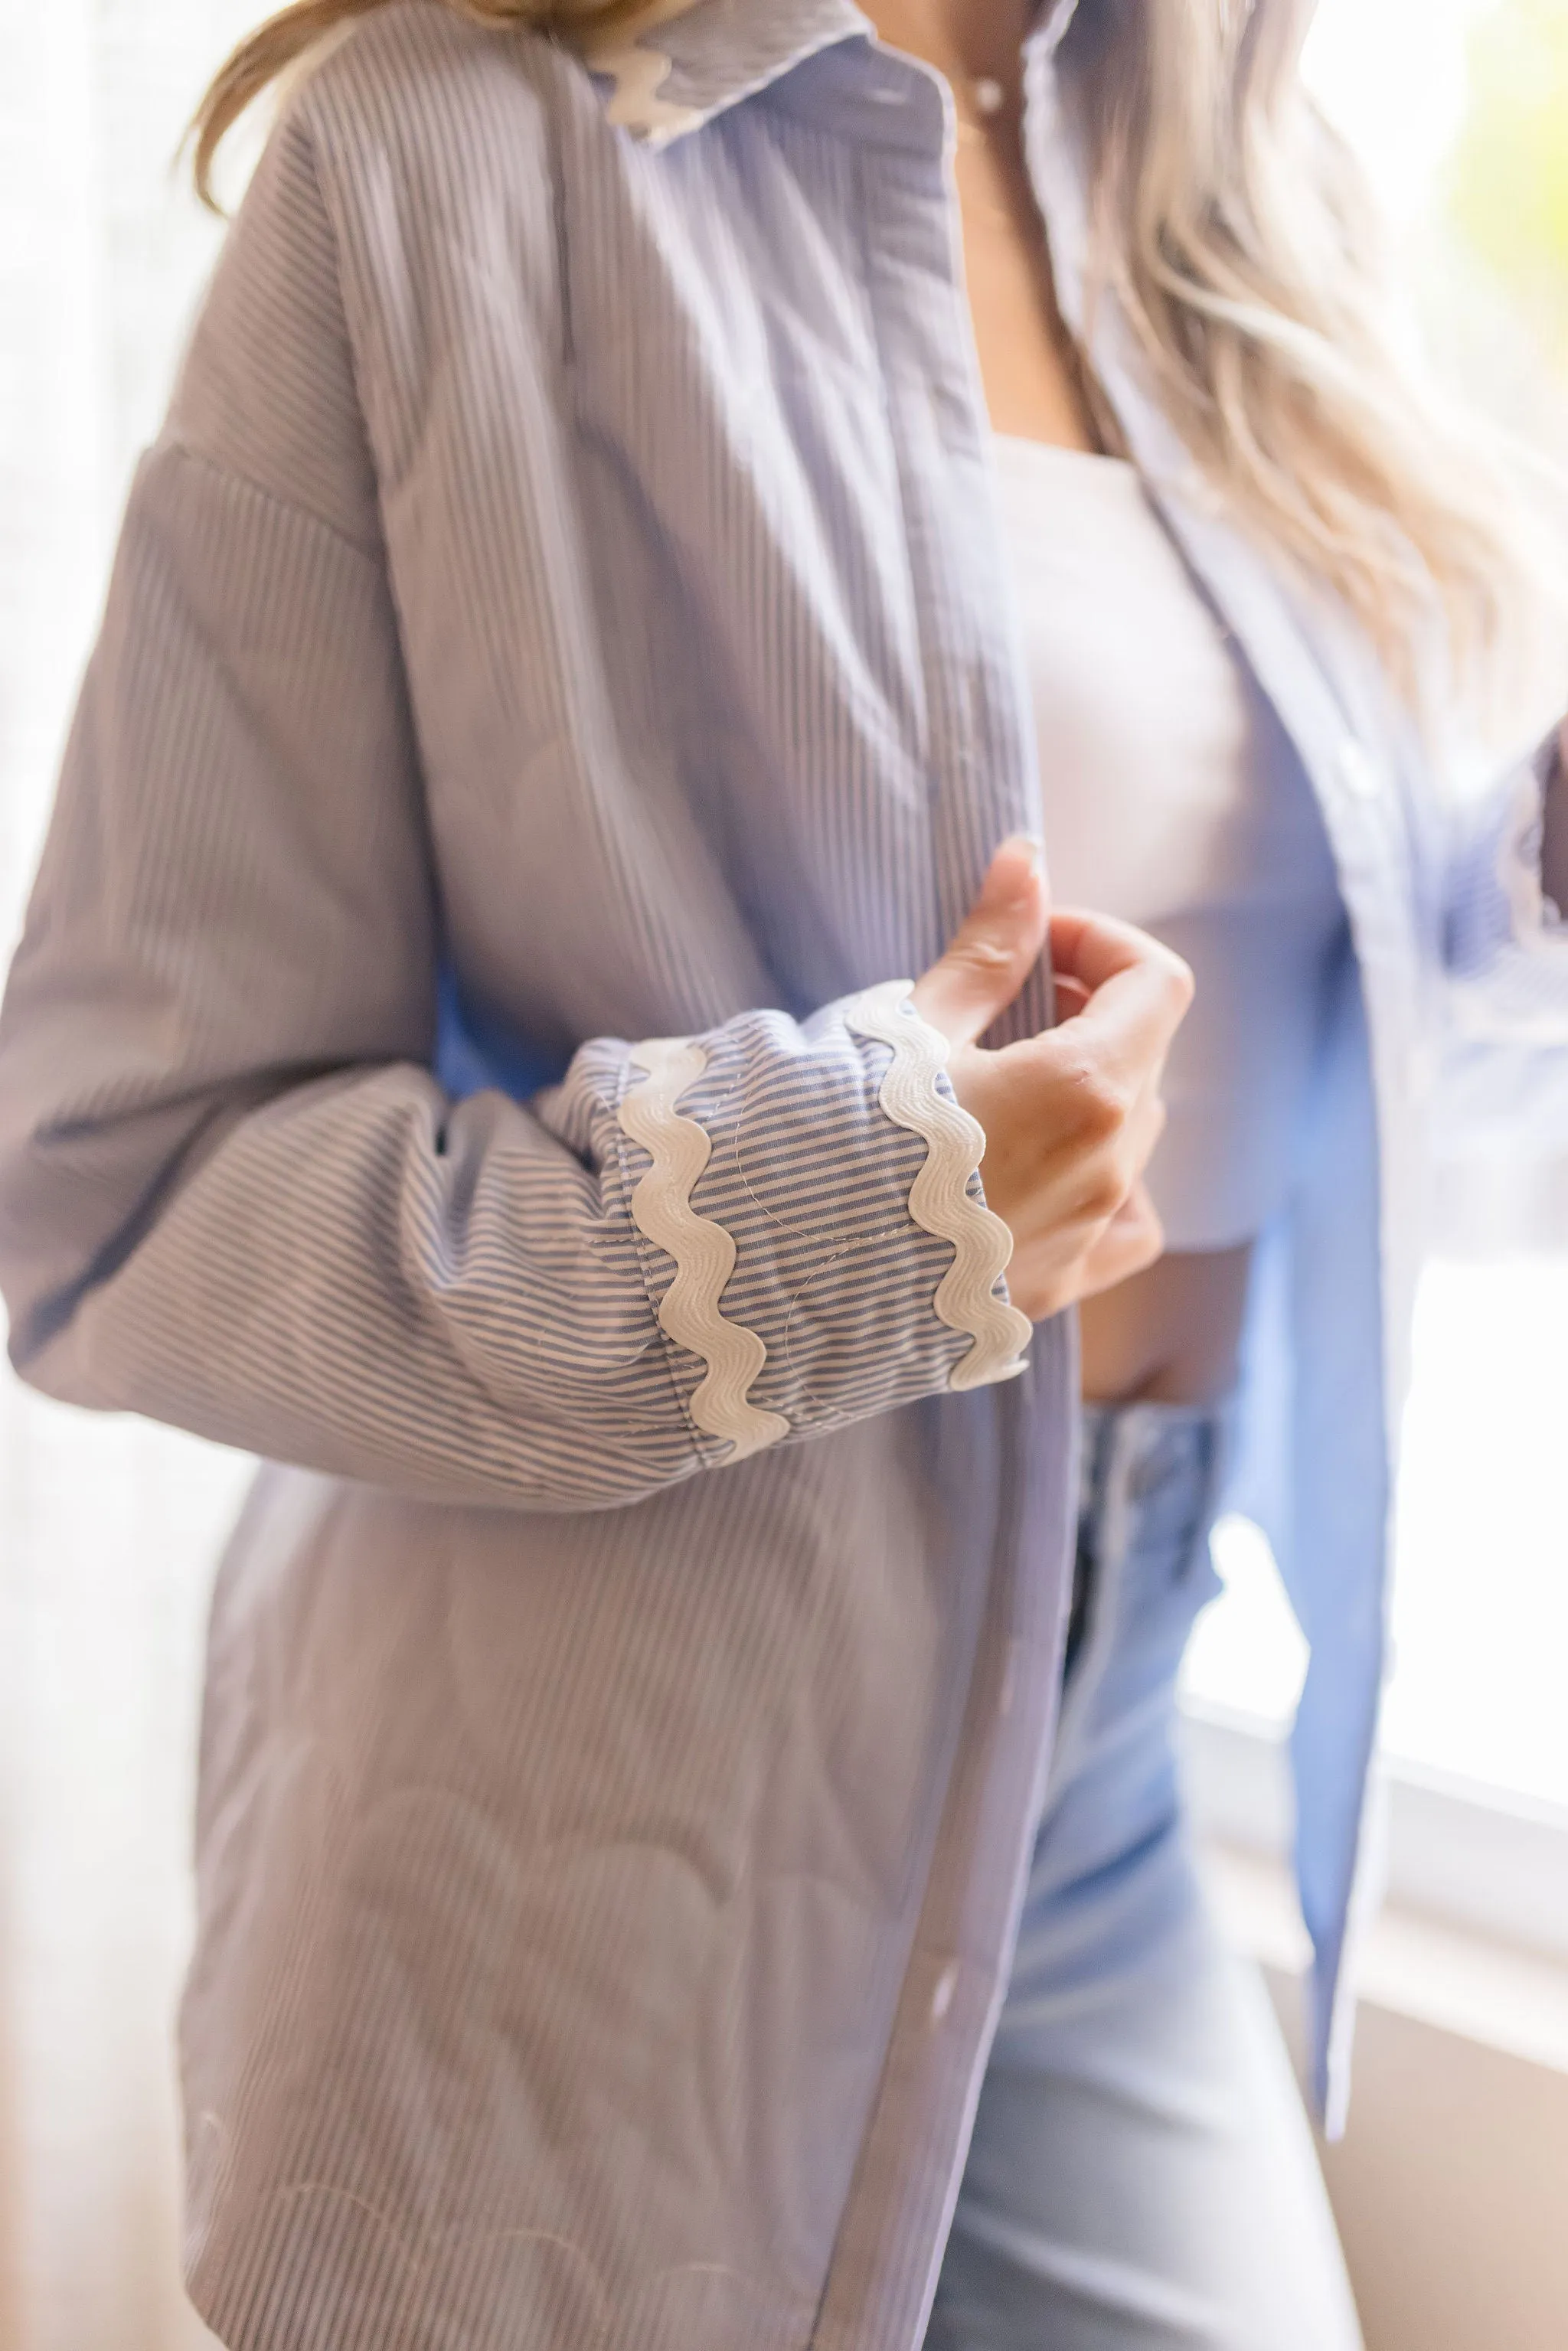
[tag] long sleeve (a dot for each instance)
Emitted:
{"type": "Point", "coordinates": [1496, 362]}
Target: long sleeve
{"type": "Point", "coordinates": [1499, 1111]}
{"type": "Point", "coordinates": [232, 1194]}
{"type": "Point", "coordinates": [1507, 944]}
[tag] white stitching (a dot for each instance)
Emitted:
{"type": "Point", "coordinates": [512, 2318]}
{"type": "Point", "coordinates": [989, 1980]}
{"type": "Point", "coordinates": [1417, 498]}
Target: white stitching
{"type": "Point", "coordinates": [939, 1198]}
{"type": "Point", "coordinates": [703, 1250]}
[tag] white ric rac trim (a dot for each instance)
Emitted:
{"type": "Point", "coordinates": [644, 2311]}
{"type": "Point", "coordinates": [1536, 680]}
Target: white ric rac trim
{"type": "Point", "coordinates": [704, 1253]}
{"type": "Point", "coordinates": [639, 74]}
{"type": "Point", "coordinates": [939, 1199]}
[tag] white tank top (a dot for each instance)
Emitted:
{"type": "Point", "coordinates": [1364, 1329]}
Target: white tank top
{"type": "Point", "coordinates": [1172, 799]}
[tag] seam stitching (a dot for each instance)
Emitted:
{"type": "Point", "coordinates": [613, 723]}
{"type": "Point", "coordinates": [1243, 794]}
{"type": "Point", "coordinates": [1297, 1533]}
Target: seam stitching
{"type": "Point", "coordinates": [641, 1247]}
{"type": "Point", "coordinates": [175, 443]}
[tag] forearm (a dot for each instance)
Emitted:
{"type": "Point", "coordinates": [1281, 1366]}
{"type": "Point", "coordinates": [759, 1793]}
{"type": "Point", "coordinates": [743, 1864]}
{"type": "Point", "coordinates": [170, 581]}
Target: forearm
{"type": "Point", "coordinates": [1554, 828]}
{"type": "Point", "coordinates": [499, 1304]}
{"type": "Point", "coordinates": [233, 1195]}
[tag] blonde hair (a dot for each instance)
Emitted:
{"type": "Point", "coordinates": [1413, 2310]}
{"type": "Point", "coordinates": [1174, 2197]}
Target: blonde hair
{"type": "Point", "coordinates": [1233, 228]}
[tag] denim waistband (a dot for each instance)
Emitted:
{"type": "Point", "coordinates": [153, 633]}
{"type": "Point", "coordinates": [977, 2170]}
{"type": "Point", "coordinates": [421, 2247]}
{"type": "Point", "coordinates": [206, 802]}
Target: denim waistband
{"type": "Point", "coordinates": [1150, 1479]}
{"type": "Point", "coordinates": [1129, 1449]}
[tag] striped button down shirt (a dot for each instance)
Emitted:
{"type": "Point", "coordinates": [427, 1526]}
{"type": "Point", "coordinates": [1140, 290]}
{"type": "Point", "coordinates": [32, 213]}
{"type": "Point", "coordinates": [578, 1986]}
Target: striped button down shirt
{"type": "Point", "coordinates": [557, 682]}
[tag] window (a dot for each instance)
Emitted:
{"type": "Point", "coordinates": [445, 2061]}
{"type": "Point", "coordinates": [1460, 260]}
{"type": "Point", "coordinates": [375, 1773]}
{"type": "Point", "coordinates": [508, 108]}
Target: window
{"type": "Point", "coordinates": [1456, 109]}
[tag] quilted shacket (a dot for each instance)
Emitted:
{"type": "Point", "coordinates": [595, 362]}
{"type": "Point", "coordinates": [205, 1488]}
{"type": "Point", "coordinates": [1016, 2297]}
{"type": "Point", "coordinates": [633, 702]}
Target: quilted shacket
{"type": "Point", "coordinates": [557, 678]}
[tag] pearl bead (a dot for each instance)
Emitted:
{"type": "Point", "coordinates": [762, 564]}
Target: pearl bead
{"type": "Point", "coordinates": [989, 95]}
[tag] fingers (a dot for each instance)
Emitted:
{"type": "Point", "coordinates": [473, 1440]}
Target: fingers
{"type": "Point", "coordinates": [1145, 1127]}
{"type": "Point", "coordinates": [1093, 948]}
{"type": "Point", "coordinates": [994, 950]}
{"type": "Point", "coordinates": [1129, 1244]}
{"type": "Point", "coordinates": [1070, 996]}
{"type": "Point", "coordinates": [1071, 1117]}
{"type": "Point", "coordinates": [1131, 991]}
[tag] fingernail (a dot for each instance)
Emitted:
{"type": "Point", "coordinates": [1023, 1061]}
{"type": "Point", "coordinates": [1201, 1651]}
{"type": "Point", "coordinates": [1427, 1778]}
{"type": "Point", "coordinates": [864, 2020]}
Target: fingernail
{"type": "Point", "coordinates": [1020, 885]}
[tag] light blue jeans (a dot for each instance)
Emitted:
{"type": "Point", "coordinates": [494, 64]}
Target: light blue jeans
{"type": "Point", "coordinates": [1142, 2176]}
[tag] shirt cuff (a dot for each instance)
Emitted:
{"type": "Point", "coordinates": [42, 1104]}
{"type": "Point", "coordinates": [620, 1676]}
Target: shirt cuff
{"type": "Point", "coordinates": [815, 1240]}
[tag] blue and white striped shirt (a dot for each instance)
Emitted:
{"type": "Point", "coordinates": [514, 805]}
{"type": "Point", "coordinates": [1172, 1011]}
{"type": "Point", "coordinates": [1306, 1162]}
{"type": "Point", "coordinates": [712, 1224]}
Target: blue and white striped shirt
{"type": "Point", "coordinates": [564, 610]}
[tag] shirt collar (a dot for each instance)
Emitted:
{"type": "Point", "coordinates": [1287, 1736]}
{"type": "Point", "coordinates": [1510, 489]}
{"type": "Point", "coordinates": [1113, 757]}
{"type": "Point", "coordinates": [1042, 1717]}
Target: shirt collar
{"type": "Point", "coordinates": [682, 62]}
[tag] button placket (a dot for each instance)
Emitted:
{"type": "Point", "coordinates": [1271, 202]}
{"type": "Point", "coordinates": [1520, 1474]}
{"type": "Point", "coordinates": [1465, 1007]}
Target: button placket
{"type": "Point", "coordinates": [942, 1991]}
{"type": "Point", "coordinates": [1358, 771]}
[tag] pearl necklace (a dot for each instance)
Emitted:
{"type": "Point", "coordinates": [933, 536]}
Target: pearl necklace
{"type": "Point", "coordinates": [980, 100]}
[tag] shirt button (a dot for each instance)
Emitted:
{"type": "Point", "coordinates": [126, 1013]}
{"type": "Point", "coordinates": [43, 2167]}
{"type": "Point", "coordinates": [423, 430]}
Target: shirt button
{"type": "Point", "coordinates": [942, 1994]}
{"type": "Point", "coordinates": [1358, 770]}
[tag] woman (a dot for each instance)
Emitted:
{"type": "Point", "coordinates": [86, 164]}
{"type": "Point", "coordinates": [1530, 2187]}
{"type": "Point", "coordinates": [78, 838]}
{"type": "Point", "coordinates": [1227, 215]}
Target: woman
{"type": "Point", "coordinates": [611, 574]}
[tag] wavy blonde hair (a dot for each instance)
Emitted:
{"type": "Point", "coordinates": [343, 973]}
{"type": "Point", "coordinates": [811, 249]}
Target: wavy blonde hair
{"type": "Point", "coordinates": [1233, 228]}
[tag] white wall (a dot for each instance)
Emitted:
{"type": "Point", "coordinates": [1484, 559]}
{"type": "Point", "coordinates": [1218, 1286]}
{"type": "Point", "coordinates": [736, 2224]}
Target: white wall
{"type": "Point", "coordinates": [1451, 2192]}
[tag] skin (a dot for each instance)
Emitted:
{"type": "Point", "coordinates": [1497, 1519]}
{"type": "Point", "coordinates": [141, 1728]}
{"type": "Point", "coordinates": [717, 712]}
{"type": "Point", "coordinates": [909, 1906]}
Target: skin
{"type": "Point", "coordinates": [1154, 1324]}
{"type": "Point", "coordinates": [1071, 1115]}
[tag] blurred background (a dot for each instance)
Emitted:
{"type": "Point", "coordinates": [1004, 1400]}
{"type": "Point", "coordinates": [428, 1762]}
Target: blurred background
{"type": "Point", "coordinates": [108, 1529]}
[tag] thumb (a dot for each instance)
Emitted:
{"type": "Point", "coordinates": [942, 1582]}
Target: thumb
{"type": "Point", "coordinates": [995, 948]}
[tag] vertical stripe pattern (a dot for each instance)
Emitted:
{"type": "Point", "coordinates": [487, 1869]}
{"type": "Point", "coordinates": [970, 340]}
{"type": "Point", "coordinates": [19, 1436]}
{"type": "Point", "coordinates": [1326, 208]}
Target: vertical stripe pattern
{"type": "Point", "coordinates": [564, 609]}
{"type": "Point", "coordinates": [516, 635]}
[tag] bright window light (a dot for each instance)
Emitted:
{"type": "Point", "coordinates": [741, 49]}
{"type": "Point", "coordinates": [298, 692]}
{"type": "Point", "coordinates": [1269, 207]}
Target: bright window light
{"type": "Point", "coordinates": [1457, 108]}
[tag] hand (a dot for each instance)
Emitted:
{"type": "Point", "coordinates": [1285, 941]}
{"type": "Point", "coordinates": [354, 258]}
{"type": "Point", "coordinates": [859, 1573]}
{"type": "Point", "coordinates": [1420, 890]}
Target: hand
{"type": "Point", "coordinates": [1071, 1116]}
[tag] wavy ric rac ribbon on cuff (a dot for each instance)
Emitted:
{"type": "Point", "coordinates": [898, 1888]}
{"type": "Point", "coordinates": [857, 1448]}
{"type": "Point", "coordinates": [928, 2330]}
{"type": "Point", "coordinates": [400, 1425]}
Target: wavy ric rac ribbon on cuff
{"type": "Point", "coordinates": [940, 1201]}
{"type": "Point", "coordinates": [704, 1253]}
